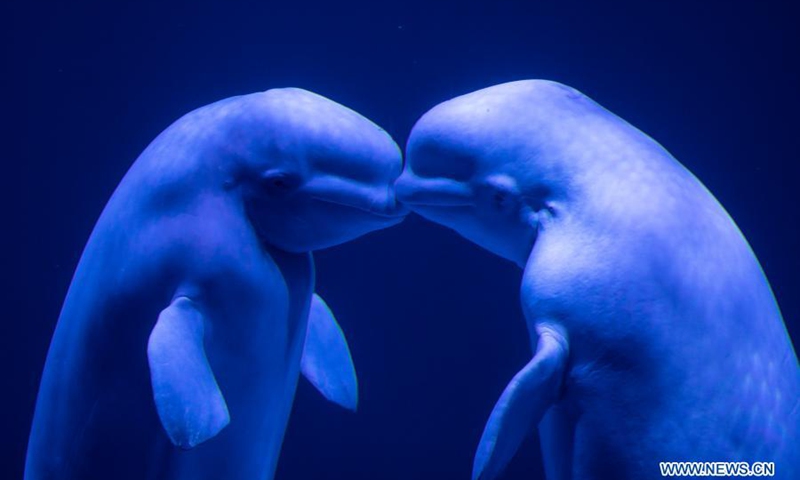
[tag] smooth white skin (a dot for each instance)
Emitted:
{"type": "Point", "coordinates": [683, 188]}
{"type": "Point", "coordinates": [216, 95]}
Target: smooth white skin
{"type": "Point", "coordinates": [310, 172]}
{"type": "Point", "coordinates": [677, 348]}
{"type": "Point", "coordinates": [221, 212]}
{"type": "Point", "coordinates": [334, 181]}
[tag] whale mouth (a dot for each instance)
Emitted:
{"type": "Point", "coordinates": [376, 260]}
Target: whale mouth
{"type": "Point", "coordinates": [390, 213]}
{"type": "Point", "coordinates": [379, 201]}
{"type": "Point", "coordinates": [395, 210]}
{"type": "Point", "coordinates": [433, 192]}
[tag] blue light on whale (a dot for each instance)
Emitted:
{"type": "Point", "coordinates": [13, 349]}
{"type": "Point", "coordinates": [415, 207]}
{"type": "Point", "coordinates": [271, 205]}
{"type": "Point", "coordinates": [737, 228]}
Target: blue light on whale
{"type": "Point", "coordinates": [417, 328]}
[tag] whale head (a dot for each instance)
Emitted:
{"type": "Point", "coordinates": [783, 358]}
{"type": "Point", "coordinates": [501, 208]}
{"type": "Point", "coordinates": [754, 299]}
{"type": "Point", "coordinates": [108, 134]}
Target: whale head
{"type": "Point", "coordinates": [313, 173]}
{"type": "Point", "coordinates": [475, 164]}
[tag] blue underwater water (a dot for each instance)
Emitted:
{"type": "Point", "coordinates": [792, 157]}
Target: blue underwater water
{"type": "Point", "coordinates": [432, 321]}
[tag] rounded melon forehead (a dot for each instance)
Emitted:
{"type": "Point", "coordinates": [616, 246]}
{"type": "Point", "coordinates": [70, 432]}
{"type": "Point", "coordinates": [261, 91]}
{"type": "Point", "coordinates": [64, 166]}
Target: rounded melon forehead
{"type": "Point", "coordinates": [296, 123]}
{"type": "Point", "coordinates": [498, 126]}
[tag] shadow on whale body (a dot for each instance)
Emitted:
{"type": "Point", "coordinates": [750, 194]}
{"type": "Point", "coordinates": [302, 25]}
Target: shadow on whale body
{"type": "Point", "coordinates": [191, 312]}
{"type": "Point", "coordinates": [656, 336]}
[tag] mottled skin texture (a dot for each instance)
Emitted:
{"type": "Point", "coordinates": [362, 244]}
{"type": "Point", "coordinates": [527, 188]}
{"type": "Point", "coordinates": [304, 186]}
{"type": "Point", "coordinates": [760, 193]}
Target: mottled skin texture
{"type": "Point", "coordinates": [677, 348]}
{"type": "Point", "coordinates": [223, 208]}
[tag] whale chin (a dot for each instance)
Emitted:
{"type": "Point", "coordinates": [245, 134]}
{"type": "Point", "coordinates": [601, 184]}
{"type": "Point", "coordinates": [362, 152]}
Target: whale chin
{"type": "Point", "coordinates": [514, 246]}
{"type": "Point", "coordinates": [323, 225]}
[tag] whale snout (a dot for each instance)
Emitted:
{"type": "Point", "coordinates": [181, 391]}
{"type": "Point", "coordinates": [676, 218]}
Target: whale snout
{"type": "Point", "coordinates": [389, 207]}
{"type": "Point", "coordinates": [379, 200]}
{"type": "Point", "coordinates": [412, 190]}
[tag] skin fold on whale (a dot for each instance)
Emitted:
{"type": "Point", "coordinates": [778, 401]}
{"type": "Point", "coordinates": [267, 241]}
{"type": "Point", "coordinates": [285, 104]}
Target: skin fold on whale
{"type": "Point", "coordinates": [192, 313]}
{"type": "Point", "coordinates": [655, 333]}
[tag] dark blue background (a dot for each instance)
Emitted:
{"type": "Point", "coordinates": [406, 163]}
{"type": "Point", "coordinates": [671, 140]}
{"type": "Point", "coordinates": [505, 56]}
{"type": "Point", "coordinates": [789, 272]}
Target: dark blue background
{"type": "Point", "coordinates": [433, 322]}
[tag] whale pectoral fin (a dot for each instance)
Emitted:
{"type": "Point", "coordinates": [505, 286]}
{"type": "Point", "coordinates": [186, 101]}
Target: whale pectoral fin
{"type": "Point", "coordinates": [556, 434]}
{"type": "Point", "coordinates": [326, 361]}
{"type": "Point", "coordinates": [522, 405]}
{"type": "Point", "coordinates": [189, 402]}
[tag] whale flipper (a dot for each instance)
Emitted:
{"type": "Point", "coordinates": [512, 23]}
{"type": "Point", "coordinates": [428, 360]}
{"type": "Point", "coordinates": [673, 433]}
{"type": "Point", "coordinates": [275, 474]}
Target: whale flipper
{"type": "Point", "coordinates": [522, 405]}
{"type": "Point", "coordinates": [556, 434]}
{"type": "Point", "coordinates": [189, 402]}
{"type": "Point", "coordinates": [326, 361]}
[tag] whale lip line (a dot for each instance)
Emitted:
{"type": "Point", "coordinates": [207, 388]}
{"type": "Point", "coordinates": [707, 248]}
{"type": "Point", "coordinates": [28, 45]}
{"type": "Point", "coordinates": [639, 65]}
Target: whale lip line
{"type": "Point", "coordinates": [439, 192]}
{"type": "Point", "coordinates": [444, 204]}
{"type": "Point", "coordinates": [402, 212]}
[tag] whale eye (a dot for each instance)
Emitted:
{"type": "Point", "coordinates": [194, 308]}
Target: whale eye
{"type": "Point", "coordinates": [280, 182]}
{"type": "Point", "coordinates": [500, 193]}
{"type": "Point", "coordinates": [500, 198]}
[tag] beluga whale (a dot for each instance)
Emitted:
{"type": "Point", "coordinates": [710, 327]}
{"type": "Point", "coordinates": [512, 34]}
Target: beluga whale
{"type": "Point", "coordinates": [655, 333]}
{"type": "Point", "coordinates": [191, 313]}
